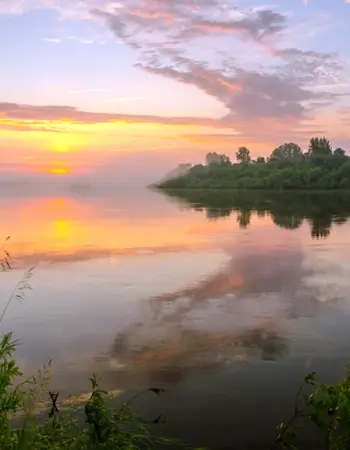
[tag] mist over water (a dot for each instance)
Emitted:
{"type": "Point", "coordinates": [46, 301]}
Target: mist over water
{"type": "Point", "coordinates": [226, 301]}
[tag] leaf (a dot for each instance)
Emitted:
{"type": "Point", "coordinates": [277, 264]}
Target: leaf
{"type": "Point", "coordinates": [158, 419]}
{"type": "Point", "coordinates": [318, 418]}
{"type": "Point", "coordinates": [157, 391]}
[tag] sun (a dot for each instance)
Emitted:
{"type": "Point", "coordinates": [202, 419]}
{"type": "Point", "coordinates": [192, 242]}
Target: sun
{"type": "Point", "coordinates": [59, 170]}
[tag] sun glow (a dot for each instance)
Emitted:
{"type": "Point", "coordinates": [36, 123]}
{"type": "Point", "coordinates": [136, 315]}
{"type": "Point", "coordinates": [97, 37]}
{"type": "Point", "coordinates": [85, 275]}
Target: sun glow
{"type": "Point", "coordinates": [65, 142]}
{"type": "Point", "coordinates": [59, 170]}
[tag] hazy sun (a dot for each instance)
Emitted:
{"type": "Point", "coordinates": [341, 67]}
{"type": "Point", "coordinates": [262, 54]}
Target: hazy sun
{"type": "Point", "coordinates": [59, 170]}
{"type": "Point", "coordinates": [62, 144]}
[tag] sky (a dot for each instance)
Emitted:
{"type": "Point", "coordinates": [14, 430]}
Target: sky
{"type": "Point", "coordinates": [126, 90]}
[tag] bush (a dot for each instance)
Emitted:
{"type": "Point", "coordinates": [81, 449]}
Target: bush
{"type": "Point", "coordinates": [327, 407]}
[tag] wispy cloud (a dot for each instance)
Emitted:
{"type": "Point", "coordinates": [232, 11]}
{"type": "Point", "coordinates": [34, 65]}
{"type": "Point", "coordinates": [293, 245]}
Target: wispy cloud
{"type": "Point", "coordinates": [76, 39]}
{"type": "Point", "coordinates": [125, 99]}
{"type": "Point", "coordinates": [67, 114]}
{"type": "Point", "coordinates": [87, 91]}
{"type": "Point", "coordinates": [81, 40]}
{"type": "Point", "coordinates": [202, 133]}
{"type": "Point", "coordinates": [53, 40]}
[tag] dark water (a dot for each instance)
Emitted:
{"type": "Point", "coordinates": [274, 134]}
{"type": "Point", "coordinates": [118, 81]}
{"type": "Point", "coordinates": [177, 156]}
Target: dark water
{"type": "Point", "coordinates": [224, 299]}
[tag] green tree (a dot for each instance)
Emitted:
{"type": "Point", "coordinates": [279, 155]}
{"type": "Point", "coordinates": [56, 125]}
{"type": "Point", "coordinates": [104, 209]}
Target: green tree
{"type": "Point", "coordinates": [288, 151]}
{"type": "Point", "coordinates": [243, 155]}
{"type": "Point", "coordinates": [319, 147]}
{"type": "Point", "coordinates": [339, 152]}
{"type": "Point", "coordinates": [214, 158]}
{"type": "Point", "coordinates": [287, 168]}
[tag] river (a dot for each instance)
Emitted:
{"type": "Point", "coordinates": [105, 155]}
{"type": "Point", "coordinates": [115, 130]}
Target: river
{"type": "Point", "coordinates": [226, 301]}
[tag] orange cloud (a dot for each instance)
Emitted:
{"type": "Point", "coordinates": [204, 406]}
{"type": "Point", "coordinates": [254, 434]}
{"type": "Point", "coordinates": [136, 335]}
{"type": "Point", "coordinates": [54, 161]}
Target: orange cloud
{"type": "Point", "coordinates": [31, 115]}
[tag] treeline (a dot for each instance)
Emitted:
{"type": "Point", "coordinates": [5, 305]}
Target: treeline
{"type": "Point", "coordinates": [288, 167]}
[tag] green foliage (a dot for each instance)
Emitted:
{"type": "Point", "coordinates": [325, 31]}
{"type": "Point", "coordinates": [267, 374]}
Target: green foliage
{"type": "Point", "coordinates": [327, 407]}
{"type": "Point", "coordinates": [339, 152]}
{"type": "Point", "coordinates": [214, 158]}
{"type": "Point", "coordinates": [290, 152]}
{"type": "Point", "coordinates": [10, 399]}
{"type": "Point", "coordinates": [319, 147]}
{"type": "Point", "coordinates": [243, 155]}
{"type": "Point", "coordinates": [287, 168]}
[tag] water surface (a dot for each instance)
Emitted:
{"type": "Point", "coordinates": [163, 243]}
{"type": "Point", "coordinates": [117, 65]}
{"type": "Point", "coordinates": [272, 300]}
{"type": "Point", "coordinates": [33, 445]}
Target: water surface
{"type": "Point", "coordinates": [224, 299]}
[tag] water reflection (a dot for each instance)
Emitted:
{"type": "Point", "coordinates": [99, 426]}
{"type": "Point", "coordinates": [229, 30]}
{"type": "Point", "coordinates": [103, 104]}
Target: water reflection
{"type": "Point", "coordinates": [287, 209]}
{"type": "Point", "coordinates": [184, 351]}
{"type": "Point", "coordinates": [65, 227]}
{"type": "Point", "coordinates": [149, 295]}
{"type": "Point", "coordinates": [244, 311]}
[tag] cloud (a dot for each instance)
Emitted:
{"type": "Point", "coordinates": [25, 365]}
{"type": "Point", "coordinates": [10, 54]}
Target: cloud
{"type": "Point", "coordinates": [180, 21]}
{"type": "Point", "coordinates": [22, 126]}
{"type": "Point", "coordinates": [284, 94]}
{"type": "Point", "coordinates": [271, 85]}
{"type": "Point", "coordinates": [282, 85]}
{"type": "Point", "coordinates": [125, 99]}
{"type": "Point", "coordinates": [61, 114]}
{"type": "Point", "coordinates": [75, 39]}
{"type": "Point", "coordinates": [53, 40]}
{"type": "Point", "coordinates": [258, 25]}
{"type": "Point", "coordinates": [209, 135]}
{"type": "Point", "coordinates": [86, 91]}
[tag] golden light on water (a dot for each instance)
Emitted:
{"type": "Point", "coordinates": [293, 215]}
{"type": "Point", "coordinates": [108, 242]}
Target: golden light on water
{"type": "Point", "coordinates": [62, 229]}
{"type": "Point", "coordinates": [58, 168]}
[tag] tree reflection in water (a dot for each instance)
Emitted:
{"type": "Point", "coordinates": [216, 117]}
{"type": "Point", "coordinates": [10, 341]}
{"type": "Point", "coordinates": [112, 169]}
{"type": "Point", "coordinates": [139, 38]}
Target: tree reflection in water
{"type": "Point", "coordinates": [288, 209]}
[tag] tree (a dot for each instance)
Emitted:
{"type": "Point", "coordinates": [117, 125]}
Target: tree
{"type": "Point", "coordinates": [339, 152]}
{"type": "Point", "coordinates": [287, 168]}
{"type": "Point", "coordinates": [216, 158]}
{"type": "Point", "coordinates": [225, 160]}
{"type": "Point", "coordinates": [243, 155]}
{"type": "Point", "coordinates": [319, 147]}
{"type": "Point", "coordinates": [288, 151]}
